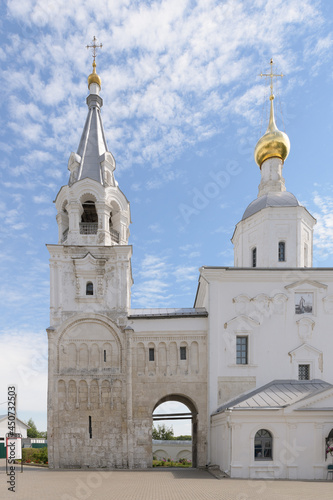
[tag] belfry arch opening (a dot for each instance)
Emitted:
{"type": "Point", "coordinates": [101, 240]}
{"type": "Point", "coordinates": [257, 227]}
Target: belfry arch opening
{"type": "Point", "coordinates": [180, 413]}
{"type": "Point", "coordinates": [89, 218]}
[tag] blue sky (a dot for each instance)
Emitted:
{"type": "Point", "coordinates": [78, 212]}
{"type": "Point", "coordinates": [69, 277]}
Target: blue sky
{"type": "Point", "coordinates": [183, 106]}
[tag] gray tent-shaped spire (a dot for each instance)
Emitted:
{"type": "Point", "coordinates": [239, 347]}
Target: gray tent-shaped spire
{"type": "Point", "coordinates": [93, 143]}
{"type": "Point", "coordinates": [93, 160]}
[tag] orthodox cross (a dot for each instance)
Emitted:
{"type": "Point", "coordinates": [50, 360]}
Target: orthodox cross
{"type": "Point", "coordinates": [271, 75]}
{"type": "Point", "coordinates": [94, 46]}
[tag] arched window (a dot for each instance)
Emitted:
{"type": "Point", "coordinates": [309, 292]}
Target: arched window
{"type": "Point", "coordinates": [254, 257]}
{"type": "Point", "coordinates": [329, 443]}
{"type": "Point", "coordinates": [89, 288]}
{"type": "Point", "coordinates": [89, 218]}
{"type": "Point", "coordinates": [263, 445]}
{"type": "Point", "coordinates": [89, 213]}
{"type": "Point", "coordinates": [282, 251]}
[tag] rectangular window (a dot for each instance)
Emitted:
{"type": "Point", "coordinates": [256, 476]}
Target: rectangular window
{"type": "Point", "coordinates": [90, 428]}
{"type": "Point", "coordinates": [104, 356]}
{"type": "Point", "coordinates": [151, 354]}
{"type": "Point", "coordinates": [303, 372]}
{"type": "Point", "coordinates": [183, 353]}
{"type": "Point", "coordinates": [282, 251]}
{"type": "Point", "coordinates": [241, 350]}
{"type": "Point", "coordinates": [254, 257]}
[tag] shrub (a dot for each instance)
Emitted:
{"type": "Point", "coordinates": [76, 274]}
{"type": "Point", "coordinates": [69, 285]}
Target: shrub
{"type": "Point", "coordinates": [35, 455]}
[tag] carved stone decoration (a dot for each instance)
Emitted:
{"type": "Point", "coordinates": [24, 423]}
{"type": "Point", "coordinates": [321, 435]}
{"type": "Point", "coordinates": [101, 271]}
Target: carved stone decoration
{"type": "Point", "coordinates": [328, 304]}
{"type": "Point", "coordinates": [101, 238]}
{"type": "Point", "coordinates": [307, 354]}
{"type": "Point", "coordinates": [100, 286]}
{"type": "Point", "coordinates": [321, 362]}
{"type": "Point", "coordinates": [242, 303]}
{"type": "Point", "coordinates": [73, 166]}
{"type": "Point", "coordinates": [305, 328]}
{"type": "Point", "coordinates": [241, 323]}
{"type": "Point", "coordinates": [279, 303]}
{"type": "Point", "coordinates": [260, 306]}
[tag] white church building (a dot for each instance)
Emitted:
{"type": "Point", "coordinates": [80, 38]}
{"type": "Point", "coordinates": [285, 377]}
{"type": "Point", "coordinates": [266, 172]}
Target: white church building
{"type": "Point", "coordinates": [250, 360]}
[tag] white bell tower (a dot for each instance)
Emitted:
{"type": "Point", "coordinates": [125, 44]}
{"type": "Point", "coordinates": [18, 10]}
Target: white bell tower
{"type": "Point", "coordinates": [90, 265]}
{"type": "Point", "coordinates": [89, 386]}
{"type": "Point", "coordinates": [275, 230]}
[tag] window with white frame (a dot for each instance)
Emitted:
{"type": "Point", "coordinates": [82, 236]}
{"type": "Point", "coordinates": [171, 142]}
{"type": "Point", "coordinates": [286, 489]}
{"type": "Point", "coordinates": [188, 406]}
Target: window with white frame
{"type": "Point", "coordinates": [241, 350]}
{"type": "Point", "coordinates": [263, 445]}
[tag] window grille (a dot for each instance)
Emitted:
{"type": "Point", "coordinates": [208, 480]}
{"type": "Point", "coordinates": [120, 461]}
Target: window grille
{"type": "Point", "coordinates": [241, 350]}
{"type": "Point", "coordinates": [303, 372]}
{"type": "Point", "coordinates": [282, 251]}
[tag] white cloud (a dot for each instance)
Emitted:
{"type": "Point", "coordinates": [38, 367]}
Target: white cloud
{"type": "Point", "coordinates": [156, 228]}
{"type": "Point", "coordinates": [175, 68]}
{"type": "Point", "coordinates": [49, 212]}
{"type": "Point", "coordinates": [24, 363]}
{"type": "Point", "coordinates": [193, 255]}
{"type": "Point", "coordinates": [323, 234]}
{"type": "Point", "coordinates": [42, 198]}
{"type": "Point", "coordinates": [186, 273]}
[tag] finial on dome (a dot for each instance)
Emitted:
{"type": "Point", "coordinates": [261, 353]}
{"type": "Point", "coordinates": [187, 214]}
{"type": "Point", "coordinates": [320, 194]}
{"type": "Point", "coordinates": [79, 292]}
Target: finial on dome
{"type": "Point", "coordinates": [93, 77]}
{"type": "Point", "coordinates": [273, 143]}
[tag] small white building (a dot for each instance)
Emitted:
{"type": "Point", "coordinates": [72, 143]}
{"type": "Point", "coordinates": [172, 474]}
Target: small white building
{"type": "Point", "coordinates": [21, 428]}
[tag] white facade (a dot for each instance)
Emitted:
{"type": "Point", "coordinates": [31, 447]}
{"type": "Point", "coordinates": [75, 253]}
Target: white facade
{"type": "Point", "coordinates": [267, 319]}
{"type": "Point", "coordinates": [174, 450]}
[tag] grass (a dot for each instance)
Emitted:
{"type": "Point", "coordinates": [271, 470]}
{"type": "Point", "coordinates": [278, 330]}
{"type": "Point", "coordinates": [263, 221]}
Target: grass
{"type": "Point", "coordinates": [170, 463]}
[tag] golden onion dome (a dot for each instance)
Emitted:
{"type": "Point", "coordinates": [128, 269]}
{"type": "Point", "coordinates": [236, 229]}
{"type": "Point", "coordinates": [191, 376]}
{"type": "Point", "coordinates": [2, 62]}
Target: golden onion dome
{"type": "Point", "coordinates": [93, 77]}
{"type": "Point", "coordinates": [273, 143]}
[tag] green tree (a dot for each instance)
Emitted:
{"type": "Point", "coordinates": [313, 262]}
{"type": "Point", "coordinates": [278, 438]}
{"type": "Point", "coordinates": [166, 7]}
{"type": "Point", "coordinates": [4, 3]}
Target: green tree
{"type": "Point", "coordinates": [183, 437]}
{"type": "Point", "coordinates": [162, 432]}
{"type": "Point", "coordinates": [33, 432]}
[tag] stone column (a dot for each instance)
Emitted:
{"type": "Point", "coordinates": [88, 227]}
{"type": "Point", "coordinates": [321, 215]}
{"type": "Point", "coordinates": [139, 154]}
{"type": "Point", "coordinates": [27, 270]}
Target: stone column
{"type": "Point", "coordinates": [74, 208]}
{"type": "Point", "coordinates": [129, 394]}
{"type": "Point", "coordinates": [103, 233]}
{"type": "Point", "coordinates": [52, 400]}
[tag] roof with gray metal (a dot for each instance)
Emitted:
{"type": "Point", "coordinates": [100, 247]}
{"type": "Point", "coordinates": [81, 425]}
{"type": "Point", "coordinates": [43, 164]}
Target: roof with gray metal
{"type": "Point", "coordinates": [277, 394]}
{"type": "Point", "coordinates": [169, 312]}
{"type": "Point", "coordinates": [2, 417]}
{"type": "Point", "coordinates": [93, 143]}
{"type": "Point", "coordinates": [283, 199]}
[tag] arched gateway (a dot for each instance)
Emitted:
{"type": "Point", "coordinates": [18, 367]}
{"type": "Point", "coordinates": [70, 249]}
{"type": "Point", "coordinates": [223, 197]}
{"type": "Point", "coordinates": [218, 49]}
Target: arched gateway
{"type": "Point", "coordinates": [193, 415]}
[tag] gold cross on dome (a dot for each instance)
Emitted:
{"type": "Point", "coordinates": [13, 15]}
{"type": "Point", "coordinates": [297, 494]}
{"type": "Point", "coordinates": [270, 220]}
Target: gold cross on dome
{"type": "Point", "coordinates": [94, 46]}
{"type": "Point", "coordinates": [271, 75]}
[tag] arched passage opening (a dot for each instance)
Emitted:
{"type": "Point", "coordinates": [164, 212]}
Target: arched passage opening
{"type": "Point", "coordinates": [329, 444]}
{"type": "Point", "coordinates": [175, 413]}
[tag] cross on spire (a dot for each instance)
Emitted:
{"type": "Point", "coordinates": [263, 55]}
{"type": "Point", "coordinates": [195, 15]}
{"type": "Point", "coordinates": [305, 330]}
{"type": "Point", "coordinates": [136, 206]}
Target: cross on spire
{"type": "Point", "coordinates": [271, 75]}
{"type": "Point", "coordinates": [94, 46]}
